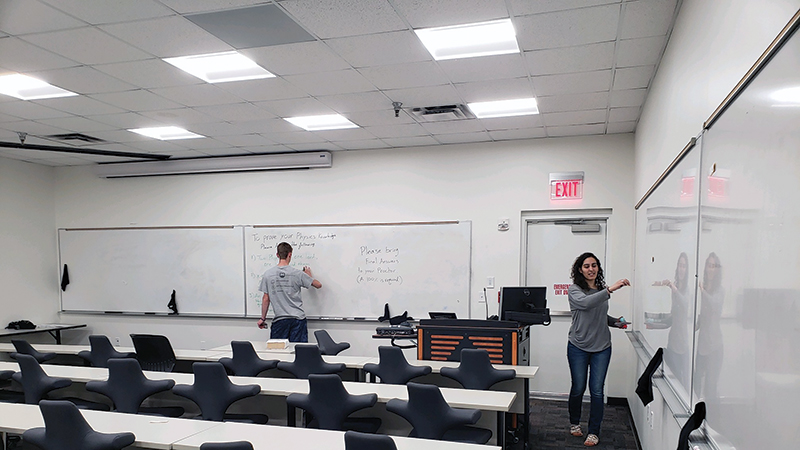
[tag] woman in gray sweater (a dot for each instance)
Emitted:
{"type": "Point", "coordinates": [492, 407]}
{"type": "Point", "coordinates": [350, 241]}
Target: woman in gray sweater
{"type": "Point", "coordinates": [589, 346]}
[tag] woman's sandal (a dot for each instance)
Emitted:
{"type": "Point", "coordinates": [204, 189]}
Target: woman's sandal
{"type": "Point", "coordinates": [591, 440]}
{"type": "Point", "coordinates": [575, 430]}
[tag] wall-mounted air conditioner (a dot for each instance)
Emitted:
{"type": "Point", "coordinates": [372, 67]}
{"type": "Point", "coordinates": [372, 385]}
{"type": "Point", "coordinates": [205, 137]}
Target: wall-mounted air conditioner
{"type": "Point", "coordinates": [246, 163]}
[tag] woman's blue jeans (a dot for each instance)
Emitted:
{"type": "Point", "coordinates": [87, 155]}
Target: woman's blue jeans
{"type": "Point", "coordinates": [595, 365]}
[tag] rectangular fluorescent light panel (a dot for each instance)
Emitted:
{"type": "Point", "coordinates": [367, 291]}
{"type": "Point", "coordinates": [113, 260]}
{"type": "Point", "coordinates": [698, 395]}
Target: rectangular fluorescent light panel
{"type": "Point", "coordinates": [504, 108]}
{"type": "Point", "coordinates": [324, 122]}
{"type": "Point", "coordinates": [166, 133]}
{"type": "Point", "coordinates": [470, 40]}
{"type": "Point", "coordinates": [24, 87]}
{"type": "Point", "coordinates": [220, 67]}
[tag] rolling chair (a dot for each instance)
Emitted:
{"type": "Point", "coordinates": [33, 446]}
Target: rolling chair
{"type": "Point", "coordinates": [66, 429]}
{"type": "Point", "coordinates": [354, 440]}
{"type": "Point", "coordinates": [213, 392]}
{"type": "Point", "coordinates": [24, 347]}
{"type": "Point", "coordinates": [432, 418]}
{"type": "Point", "coordinates": [101, 351]}
{"type": "Point", "coordinates": [330, 405]}
{"type": "Point", "coordinates": [393, 368]}
{"type": "Point", "coordinates": [476, 371]}
{"type": "Point", "coordinates": [154, 352]}
{"type": "Point", "coordinates": [36, 384]}
{"type": "Point", "coordinates": [237, 445]}
{"type": "Point", "coordinates": [245, 361]}
{"type": "Point", "coordinates": [308, 360]}
{"type": "Point", "coordinates": [327, 346]}
{"type": "Point", "coordinates": [127, 387]}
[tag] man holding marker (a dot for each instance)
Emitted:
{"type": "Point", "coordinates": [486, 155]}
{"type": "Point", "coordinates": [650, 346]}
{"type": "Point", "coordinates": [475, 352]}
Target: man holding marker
{"type": "Point", "coordinates": [281, 287]}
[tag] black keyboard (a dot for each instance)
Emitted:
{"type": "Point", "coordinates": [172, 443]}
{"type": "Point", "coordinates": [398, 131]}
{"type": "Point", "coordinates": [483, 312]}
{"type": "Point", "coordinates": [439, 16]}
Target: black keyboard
{"type": "Point", "coordinates": [395, 331]}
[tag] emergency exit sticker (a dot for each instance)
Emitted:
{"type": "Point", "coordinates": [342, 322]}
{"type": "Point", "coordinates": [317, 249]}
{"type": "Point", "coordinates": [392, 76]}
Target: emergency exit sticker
{"type": "Point", "coordinates": [560, 289]}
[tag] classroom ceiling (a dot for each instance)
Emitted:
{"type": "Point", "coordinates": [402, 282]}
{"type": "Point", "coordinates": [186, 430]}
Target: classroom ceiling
{"type": "Point", "coordinates": [589, 64]}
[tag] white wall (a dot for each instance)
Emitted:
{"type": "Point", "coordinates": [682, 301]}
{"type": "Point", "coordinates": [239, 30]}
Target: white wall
{"type": "Point", "coordinates": [477, 182]}
{"type": "Point", "coordinates": [28, 255]}
{"type": "Point", "coordinates": [713, 45]}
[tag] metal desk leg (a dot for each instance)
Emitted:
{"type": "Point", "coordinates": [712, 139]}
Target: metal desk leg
{"type": "Point", "coordinates": [56, 334]}
{"type": "Point", "coordinates": [526, 428]}
{"type": "Point", "coordinates": [291, 420]}
{"type": "Point", "coordinates": [501, 429]}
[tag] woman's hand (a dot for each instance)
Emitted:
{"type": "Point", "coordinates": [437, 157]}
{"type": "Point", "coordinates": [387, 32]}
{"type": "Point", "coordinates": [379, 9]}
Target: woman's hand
{"type": "Point", "coordinates": [616, 286]}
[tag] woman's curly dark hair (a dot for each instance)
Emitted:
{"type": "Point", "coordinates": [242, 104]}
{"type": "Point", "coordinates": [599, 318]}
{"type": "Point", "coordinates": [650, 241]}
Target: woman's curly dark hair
{"type": "Point", "coordinates": [577, 275]}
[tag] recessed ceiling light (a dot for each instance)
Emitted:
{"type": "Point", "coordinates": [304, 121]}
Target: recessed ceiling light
{"type": "Point", "coordinates": [220, 67]}
{"type": "Point", "coordinates": [28, 88]}
{"type": "Point", "coordinates": [166, 133]}
{"type": "Point", "coordinates": [504, 108]}
{"type": "Point", "coordinates": [325, 122]}
{"type": "Point", "coordinates": [466, 41]}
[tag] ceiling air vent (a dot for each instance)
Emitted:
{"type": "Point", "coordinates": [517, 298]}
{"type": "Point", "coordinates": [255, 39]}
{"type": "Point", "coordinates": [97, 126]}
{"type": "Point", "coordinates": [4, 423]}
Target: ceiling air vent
{"type": "Point", "coordinates": [442, 113]}
{"type": "Point", "coordinates": [74, 137]}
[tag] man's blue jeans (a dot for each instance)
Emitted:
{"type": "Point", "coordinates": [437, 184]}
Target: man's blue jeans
{"type": "Point", "coordinates": [595, 365]}
{"type": "Point", "coordinates": [295, 330]}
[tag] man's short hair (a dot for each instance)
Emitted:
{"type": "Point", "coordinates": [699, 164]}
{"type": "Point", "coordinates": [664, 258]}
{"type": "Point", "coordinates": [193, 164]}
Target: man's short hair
{"type": "Point", "coordinates": [283, 250]}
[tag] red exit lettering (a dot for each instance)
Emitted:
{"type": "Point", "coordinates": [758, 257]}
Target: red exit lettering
{"type": "Point", "coordinates": [566, 189]}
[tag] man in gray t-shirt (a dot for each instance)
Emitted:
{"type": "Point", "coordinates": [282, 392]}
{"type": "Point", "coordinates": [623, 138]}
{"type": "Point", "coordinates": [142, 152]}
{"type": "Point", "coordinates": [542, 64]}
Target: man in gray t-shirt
{"type": "Point", "coordinates": [281, 287]}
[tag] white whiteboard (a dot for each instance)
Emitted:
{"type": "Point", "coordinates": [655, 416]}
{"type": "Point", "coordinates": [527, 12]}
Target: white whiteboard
{"type": "Point", "coordinates": [413, 267]}
{"type": "Point", "coordinates": [136, 270]}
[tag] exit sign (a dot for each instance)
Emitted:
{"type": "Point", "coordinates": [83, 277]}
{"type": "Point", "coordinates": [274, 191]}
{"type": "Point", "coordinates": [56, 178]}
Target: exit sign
{"type": "Point", "coordinates": [566, 186]}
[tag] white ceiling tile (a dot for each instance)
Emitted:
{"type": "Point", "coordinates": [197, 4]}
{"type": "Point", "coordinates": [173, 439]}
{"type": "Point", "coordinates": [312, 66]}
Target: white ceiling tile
{"type": "Point", "coordinates": [631, 97]}
{"type": "Point", "coordinates": [167, 37]}
{"type": "Point", "coordinates": [568, 28]}
{"type": "Point", "coordinates": [360, 101]}
{"type": "Point", "coordinates": [77, 124]}
{"type": "Point", "coordinates": [27, 16]}
{"type": "Point", "coordinates": [576, 130]}
{"type": "Point", "coordinates": [186, 153]}
{"type": "Point", "coordinates": [104, 11]}
{"type": "Point", "coordinates": [364, 145]}
{"type": "Point", "coordinates": [178, 116]}
{"type": "Point", "coordinates": [382, 117]}
{"type": "Point", "coordinates": [323, 146]}
{"type": "Point", "coordinates": [149, 73]}
{"type": "Point", "coordinates": [395, 131]}
{"type": "Point", "coordinates": [126, 121]}
{"type": "Point", "coordinates": [265, 127]}
{"type": "Point", "coordinates": [380, 49]}
{"type": "Point", "coordinates": [8, 118]}
{"type": "Point", "coordinates": [30, 110]}
{"type": "Point", "coordinates": [236, 111]}
{"type": "Point", "coordinates": [196, 6]}
{"type": "Point", "coordinates": [510, 123]}
{"type": "Point", "coordinates": [158, 146]}
{"type": "Point", "coordinates": [573, 83]}
{"type": "Point", "coordinates": [463, 138]}
{"type": "Point", "coordinates": [199, 143]}
{"type": "Point", "coordinates": [574, 118]}
{"type": "Point", "coordinates": [36, 129]}
{"type": "Point", "coordinates": [344, 17]}
{"type": "Point", "coordinates": [645, 18]}
{"type": "Point", "coordinates": [573, 102]}
{"type": "Point", "coordinates": [197, 95]}
{"type": "Point", "coordinates": [402, 76]}
{"type": "Point", "coordinates": [350, 134]}
{"type": "Point", "coordinates": [483, 91]}
{"type": "Point", "coordinates": [633, 77]}
{"type": "Point", "coordinates": [630, 114]}
{"type": "Point", "coordinates": [296, 137]}
{"type": "Point", "coordinates": [137, 100]}
{"type": "Point", "coordinates": [264, 89]}
{"type": "Point", "coordinates": [453, 126]}
{"type": "Point", "coordinates": [524, 7]}
{"type": "Point", "coordinates": [21, 56]}
{"type": "Point", "coordinates": [582, 58]}
{"type": "Point", "coordinates": [118, 136]}
{"type": "Point", "coordinates": [62, 160]}
{"type": "Point", "coordinates": [331, 83]}
{"type": "Point", "coordinates": [83, 80]}
{"type": "Point", "coordinates": [291, 59]}
{"type": "Point", "coordinates": [438, 13]}
{"type": "Point", "coordinates": [261, 149]}
{"type": "Point", "coordinates": [419, 141]}
{"type": "Point", "coordinates": [519, 133]}
{"type": "Point", "coordinates": [640, 52]}
{"type": "Point", "coordinates": [81, 105]}
{"type": "Point", "coordinates": [307, 106]}
{"type": "Point", "coordinates": [244, 140]}
{"type": "Point", "coordinates": [485, 68]}
{"type": "Point", "coordinates": [621, 127]}
{"type": "Point", "coordinates": [216, 129]}
{"type": "Point", "coordinates": [87, 46]}
{"type": "Point", "coordinates": [445, 94]}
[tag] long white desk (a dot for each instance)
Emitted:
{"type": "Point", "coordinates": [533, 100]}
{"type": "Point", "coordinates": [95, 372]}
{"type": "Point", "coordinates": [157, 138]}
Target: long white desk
{"type": "Point", "coordinates": [151, 432]}
{"type": "Point", "coordinates": [266, 437]}
{"type": "Point", "coordinates": [495, 401]}
{"type": "Point", "coordinates": [68, 349]}
{"type": "Point", "coordinates": [53, 329]}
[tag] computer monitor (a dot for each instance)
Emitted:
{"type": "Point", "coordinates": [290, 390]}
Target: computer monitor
{"type": "Point", "coordinates": [442, 315]}
{"type": "Point", "coordinates": [521, 299]}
